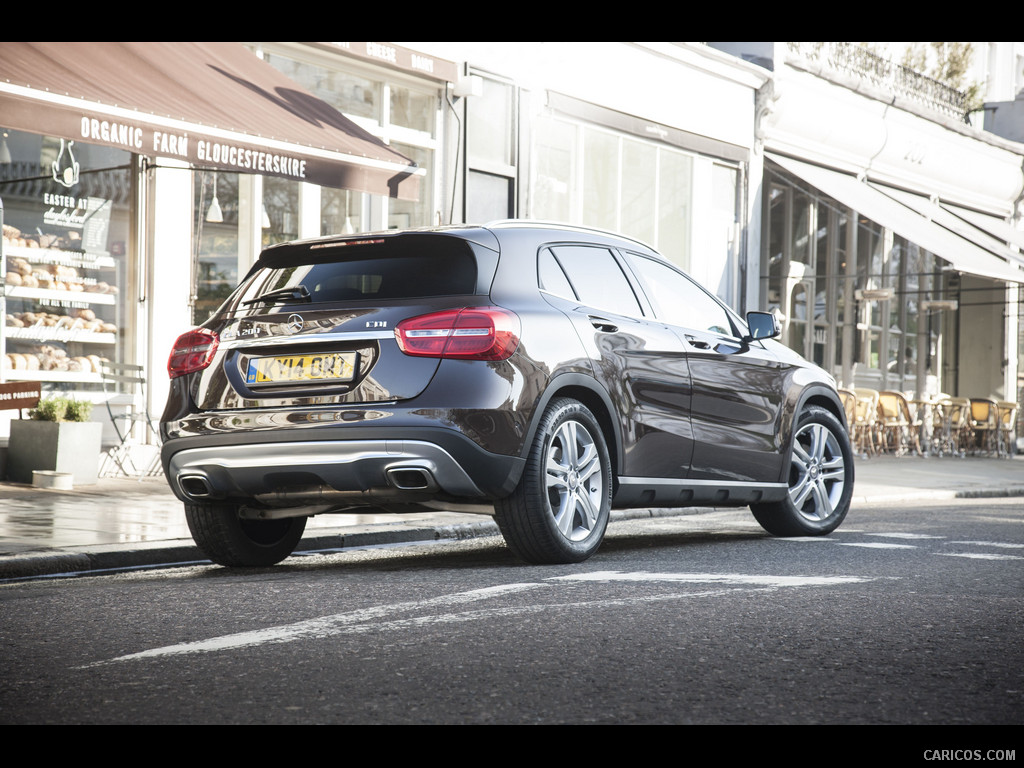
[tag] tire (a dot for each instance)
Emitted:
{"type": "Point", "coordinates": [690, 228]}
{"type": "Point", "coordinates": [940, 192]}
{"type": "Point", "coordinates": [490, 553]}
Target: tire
{"type": "Point", "coordinates": [229, 540]}
{"type": "Point", "coordinates": [820, 480]}
{"type": "Point", "coordinates": [560, 509]}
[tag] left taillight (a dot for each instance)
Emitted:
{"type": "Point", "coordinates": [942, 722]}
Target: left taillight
{"type": "Point", "coordinates": [472, 333]}
{"type": "Point", "coordinates": [193, 351]}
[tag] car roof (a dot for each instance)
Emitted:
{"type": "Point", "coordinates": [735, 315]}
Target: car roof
{"type": "Point", "coordinates": [484, 234]}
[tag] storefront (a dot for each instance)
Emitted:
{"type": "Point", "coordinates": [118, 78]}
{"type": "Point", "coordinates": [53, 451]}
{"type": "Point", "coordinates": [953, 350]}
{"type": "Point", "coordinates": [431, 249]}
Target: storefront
{"type": "Point", "coordinates": [652, 140]}
{"type": "Point", "coordinates": [138, 179]}
{"type": "Point", "coordinates": [885, 247]}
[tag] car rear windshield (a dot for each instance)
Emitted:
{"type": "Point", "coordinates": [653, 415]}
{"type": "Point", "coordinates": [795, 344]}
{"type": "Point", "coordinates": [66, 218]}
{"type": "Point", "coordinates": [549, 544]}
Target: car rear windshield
{"type": "Point", "coordinates": [372, 270]}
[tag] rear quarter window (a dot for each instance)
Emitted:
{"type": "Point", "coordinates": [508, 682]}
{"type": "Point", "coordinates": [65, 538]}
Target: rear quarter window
{"type": "Point", "coordinates": [590, 275]}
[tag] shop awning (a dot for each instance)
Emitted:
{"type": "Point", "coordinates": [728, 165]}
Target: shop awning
{"type": "Point", "coordinates": [212, 104]}
{"type": "Point", "coordinates": [962, 254]}
{"type": "Point", "coordinates": [996, 227]}
{"type": "Point", "coordinates": [938, 214]}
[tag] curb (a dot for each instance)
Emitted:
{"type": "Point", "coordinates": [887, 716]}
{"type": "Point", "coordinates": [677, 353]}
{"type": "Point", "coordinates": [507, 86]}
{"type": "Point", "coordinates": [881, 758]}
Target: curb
{"type": "Point", "coordinates": [183, 552]}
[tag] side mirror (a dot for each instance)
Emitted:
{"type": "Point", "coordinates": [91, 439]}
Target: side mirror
{"type": "Point", "coordinates": [762, 325]}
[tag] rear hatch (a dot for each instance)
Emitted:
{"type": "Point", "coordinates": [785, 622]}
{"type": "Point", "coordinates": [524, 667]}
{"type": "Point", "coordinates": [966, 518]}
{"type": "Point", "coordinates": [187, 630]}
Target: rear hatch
{"type": "Point", "coordinates": [313, 323]}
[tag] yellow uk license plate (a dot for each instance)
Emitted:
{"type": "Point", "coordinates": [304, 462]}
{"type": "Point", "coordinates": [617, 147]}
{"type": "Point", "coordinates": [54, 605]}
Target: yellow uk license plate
{"type": "Point", "coordinates": [296, 369]}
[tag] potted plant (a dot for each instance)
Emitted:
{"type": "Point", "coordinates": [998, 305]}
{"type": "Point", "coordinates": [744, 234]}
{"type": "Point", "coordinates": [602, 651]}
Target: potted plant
{"type": "Point", "coordinates": [57, 437]}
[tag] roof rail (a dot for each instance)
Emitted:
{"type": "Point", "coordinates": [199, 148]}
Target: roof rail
{"type": "Point", "coordinates": [500, 223]}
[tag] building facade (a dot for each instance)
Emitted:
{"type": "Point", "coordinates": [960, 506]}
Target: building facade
{"type": "Point", "coordinates": [776, 178]}
{"type": "Point", "coordinates": [891, 224]}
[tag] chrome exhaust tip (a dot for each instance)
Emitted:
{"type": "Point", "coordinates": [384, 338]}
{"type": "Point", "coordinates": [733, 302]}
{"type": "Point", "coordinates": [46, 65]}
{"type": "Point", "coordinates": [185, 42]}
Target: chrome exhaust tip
{"type": "Point", "coordinates": [412, 479]}
{"type": "Point", "coordinates": [195, 486]}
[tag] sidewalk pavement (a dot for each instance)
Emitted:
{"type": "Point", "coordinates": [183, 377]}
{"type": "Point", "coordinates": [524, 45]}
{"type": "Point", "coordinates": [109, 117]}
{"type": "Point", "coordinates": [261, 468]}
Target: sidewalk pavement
{"type": "Point", "coordinates": [129, 523]}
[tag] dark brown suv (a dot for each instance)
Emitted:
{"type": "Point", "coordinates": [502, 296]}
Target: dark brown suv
{"type": "Point", "coordinates": [550, 373]}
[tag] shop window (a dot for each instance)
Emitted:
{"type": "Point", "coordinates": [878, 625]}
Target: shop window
{"type": "Point", "coordinates": [403, 214]}
{"type": "Point", "coordinates": [280, 210]}
{"type": "Point", "coordinates": [490, 125]}
{"type": "Point", "coordinates": [639, 196]}
{"type": "Point", "coordinates": [803, 228]}
{"type": "Point", "coordinates": [598, 178]}
{"type": "Point", "coordinates": [775, 257]}
{"type": "Point", "coordinates": [403, 116]}
{"type": "Point", "coordinates": [491, 197]}
{"type": "Point", "coordinates": [350, 93]}
{"type": "Point", "coordinates": [341, 211]}
{"type": "Point", "coordinates": [798, 324]}
{"type": "Point", "coordinates": [554, 169]}
{"type": "Point", "coordinates": [215, 240]}
{"type": "Point", "coordinates": [412, 109]}
{"type": "Point", "coordinates": [66, 218]}
{"type": "Point", "coordinates": [491, 153]}
{"type": "Point", "coordinates": [675, 206]}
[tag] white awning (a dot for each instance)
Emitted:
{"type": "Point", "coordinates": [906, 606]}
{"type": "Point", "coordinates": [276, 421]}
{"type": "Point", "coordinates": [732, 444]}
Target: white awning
{"type": "Point", "coordinates": [996, 227]}
{"type": "Point", "coordinates": [938, 214]}
{"type": "Point", "coordinates": [963, 255]}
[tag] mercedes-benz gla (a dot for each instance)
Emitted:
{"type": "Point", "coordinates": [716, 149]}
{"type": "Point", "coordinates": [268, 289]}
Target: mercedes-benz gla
{"type": "Point", "coordinates": [547, 373]}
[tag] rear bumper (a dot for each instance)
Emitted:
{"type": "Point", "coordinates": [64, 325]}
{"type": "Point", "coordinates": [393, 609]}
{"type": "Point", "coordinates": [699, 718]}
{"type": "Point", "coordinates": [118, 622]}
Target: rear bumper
{"type": "Point", "coordinates": [275, 471]}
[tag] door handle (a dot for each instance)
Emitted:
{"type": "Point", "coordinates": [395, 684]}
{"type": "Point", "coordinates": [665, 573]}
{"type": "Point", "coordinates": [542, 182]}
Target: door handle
{"type": "Point", "coordinates": [603, 325]}
{"type": "Point", "coordinates": [697, 343]}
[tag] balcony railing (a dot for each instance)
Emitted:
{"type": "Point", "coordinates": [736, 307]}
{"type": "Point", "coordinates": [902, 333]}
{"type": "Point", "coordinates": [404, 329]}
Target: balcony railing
{"type": "Point", "coordinates": [895, 79]}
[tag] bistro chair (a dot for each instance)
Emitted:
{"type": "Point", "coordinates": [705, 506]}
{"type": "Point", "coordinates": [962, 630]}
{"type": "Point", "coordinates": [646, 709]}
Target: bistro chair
{"type": "Point", "coordinates": [865, 421]}
{"type": "Point", "coordinates": [896, 423]}
{"type": "Point", "coordinates": [984, 423]}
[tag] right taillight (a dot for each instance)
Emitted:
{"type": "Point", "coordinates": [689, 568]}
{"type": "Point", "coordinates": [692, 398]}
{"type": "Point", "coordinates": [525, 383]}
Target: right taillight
{"type": "Point", "coordinates": [193, 351]}
{"type": "Point", "coordinates": [472, 333]}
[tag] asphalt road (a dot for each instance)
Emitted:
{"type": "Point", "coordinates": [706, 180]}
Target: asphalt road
{"type": "Point", "coordinates": [905, 616]}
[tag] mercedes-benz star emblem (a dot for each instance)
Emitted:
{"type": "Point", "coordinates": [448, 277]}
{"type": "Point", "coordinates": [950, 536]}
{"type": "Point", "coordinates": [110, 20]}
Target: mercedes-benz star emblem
{"type": "Point", "coordinates": [294, 323]}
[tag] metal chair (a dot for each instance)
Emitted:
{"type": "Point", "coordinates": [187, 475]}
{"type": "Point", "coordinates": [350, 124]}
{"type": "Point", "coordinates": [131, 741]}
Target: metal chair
{"type": "Point", "coordinates": [952, 431]}
{"type": "Point", "coordinates": [121, 379]}
{"type": "Point", "coordinates": [1007, 427]}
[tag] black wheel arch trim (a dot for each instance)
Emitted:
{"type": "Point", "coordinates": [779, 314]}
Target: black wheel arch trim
{"type": "Point", "coordinates": [572, 385]}
{"type": "Point", "coordinates": [814, 394]}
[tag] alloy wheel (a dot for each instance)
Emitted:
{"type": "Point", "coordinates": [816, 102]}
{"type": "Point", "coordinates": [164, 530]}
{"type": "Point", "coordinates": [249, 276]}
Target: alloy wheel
{"type": "Point", "coordinates": [574, 480]}
{"type": "Point", "coordinates": [818, 473]}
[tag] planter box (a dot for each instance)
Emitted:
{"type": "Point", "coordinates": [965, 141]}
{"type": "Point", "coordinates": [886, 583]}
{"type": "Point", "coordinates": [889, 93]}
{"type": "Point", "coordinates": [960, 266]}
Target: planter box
{"type": "Point", "coordinates": [66, 446]}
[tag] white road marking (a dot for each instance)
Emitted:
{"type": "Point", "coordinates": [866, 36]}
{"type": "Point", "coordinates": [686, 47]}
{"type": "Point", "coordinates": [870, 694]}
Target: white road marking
{"type": "Point", "coordinates": [906, 535]}
{"type": "Point", "coordinates": [374, 619]}
{"type": "Point", "coordinates": [320, 627]}
{"type": "Point", "coordinates": [715, 578]}
{"type": "Point", "coordinates": [1000, 544]}
{"type": "Point", "coordinates": [979, 556]}
{"type": "Point", "coordinates": [873, 545]}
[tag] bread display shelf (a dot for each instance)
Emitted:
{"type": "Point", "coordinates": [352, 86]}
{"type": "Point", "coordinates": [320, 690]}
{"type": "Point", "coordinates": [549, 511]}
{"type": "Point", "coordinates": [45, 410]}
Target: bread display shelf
{"type": "Point", "coordinates": [57, 376]}
{"type": "Point", "coordinates": [77, 259]}
{"type": "Point", "coordinates": [66, 335]}
{"type": "Point", "coordinates": [60, 298]}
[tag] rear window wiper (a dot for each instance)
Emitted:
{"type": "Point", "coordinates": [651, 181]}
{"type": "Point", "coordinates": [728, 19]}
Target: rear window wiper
{"type": "Point", "coordinates": [296, 293]}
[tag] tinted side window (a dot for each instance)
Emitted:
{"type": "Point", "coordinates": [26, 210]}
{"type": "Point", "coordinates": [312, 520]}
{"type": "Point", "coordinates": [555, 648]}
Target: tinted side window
{"type": "Point", "coordinates": [552, 278]}
{"type": "Point", "coordinates": [680, 301]}
{"type": "Point", "coordinates": [597, 278]}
